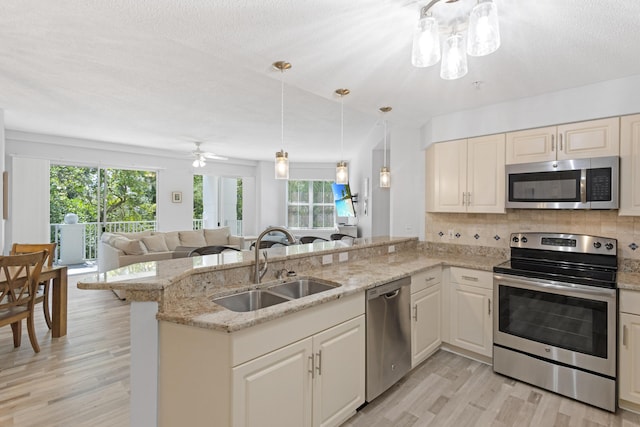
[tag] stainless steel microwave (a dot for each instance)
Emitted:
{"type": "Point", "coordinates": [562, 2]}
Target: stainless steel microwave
{"type": "Point", "coordinates": [564, 184]}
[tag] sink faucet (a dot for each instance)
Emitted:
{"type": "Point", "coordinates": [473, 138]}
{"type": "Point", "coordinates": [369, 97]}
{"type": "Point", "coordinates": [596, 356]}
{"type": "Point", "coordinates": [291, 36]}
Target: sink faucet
{"type": "Point", "coordinates": [260, 272]}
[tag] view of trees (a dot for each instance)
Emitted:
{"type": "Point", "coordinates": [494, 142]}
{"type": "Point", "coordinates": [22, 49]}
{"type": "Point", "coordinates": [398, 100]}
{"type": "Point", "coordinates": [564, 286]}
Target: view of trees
{"type": "Point", "coordinates": [130, 194]}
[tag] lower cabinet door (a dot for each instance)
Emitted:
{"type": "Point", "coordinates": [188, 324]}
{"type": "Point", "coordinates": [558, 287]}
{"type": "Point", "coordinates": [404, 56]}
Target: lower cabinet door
{"type": "Point", "coordinates": [339, 372]}
{"type": "Point", "coordinates": [471, 314]}
{"type": "Point", "coordinates": [275, 389]}
{"type": "Point", "coordinates": [629, 380]}
{"type": "Point", "coordinates": [425, 324]}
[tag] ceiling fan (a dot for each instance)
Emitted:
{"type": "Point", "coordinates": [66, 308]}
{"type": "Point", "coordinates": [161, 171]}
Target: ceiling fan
{"type": "Point", "coordinates": [202, 156]}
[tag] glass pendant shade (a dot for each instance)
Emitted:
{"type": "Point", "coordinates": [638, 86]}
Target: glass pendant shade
{"type": "Point", "coordinates": [199, 162]}
{"type": "Point", "coordinates": [454, 58]}
{"type": "Point", "coordinates": [484, 31]}
{"type": "Point", "coordinates": [342, 173]}
{"type": "Point", "coordinates": [385, 177]}
{"type": "Point", "coordinates": [282, 165]}
{"type": "Point", "coordinates": [426, 43]}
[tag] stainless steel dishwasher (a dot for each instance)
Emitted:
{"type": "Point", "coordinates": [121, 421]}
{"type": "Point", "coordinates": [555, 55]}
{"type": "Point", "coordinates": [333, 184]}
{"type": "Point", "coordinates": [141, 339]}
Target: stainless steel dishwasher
{"type": "Point", "coordinates": [388, 335]}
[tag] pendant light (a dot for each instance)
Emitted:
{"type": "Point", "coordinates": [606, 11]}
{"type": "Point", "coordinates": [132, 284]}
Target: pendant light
{"type": "Point", "coordinates": [342, 171]}
{"type": "Point", "coordinates": [282, 157]}
{"type": "Point", "coordinates": [385, 173]}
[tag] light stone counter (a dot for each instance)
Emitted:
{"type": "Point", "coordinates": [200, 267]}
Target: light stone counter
{"type": "Point", "coordinates": [354, 276]}
{"type": "Point", "coordinates": [185, 287]}
{"type": "Point", "coordinates": [629, 281]}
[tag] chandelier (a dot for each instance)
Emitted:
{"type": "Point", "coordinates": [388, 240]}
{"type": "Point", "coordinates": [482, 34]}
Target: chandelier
{"type": "Point", "coordinates": [482, 36]}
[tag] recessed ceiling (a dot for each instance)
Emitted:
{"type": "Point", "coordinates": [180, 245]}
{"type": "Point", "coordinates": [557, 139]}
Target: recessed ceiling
{"type": "Point", "coordinates": [166, 73]}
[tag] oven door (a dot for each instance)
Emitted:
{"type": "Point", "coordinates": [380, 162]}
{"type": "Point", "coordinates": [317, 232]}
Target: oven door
{"type": "Point", "coordinates": [570, 324]}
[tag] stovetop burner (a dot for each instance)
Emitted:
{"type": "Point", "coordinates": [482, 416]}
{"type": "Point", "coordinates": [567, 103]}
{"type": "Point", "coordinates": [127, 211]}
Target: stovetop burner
{"type": "Point", "coordinates": [571, 258]}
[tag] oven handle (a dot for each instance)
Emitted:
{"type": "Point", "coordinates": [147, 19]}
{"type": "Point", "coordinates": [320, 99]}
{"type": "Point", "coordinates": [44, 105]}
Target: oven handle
{"type": "Point", "coordinates": [588, 290]}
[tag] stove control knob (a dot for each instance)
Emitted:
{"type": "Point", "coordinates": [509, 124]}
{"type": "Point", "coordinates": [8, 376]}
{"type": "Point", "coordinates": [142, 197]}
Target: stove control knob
{"type": "Point", "coordinates": [597, 245]}
{"type": "Point", "coordinates": [609, 246]}
{"type": "Point", "coordinates": [524, 239]}
{"type": "Point", "coordinates": [515, 239]}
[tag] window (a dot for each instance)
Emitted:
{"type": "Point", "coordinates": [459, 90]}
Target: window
{"type": "Point", "coordinates": [310, 204]}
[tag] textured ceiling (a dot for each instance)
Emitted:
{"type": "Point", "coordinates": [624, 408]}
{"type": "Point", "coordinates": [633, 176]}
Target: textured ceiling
{"type": "Point", "coordinates": [165, 73]}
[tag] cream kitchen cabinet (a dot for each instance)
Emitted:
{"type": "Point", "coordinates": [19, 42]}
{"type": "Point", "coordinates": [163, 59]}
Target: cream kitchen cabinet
{"type": "Point", "coordinates": [426, 303]}
{"type": "Point", "coordinates": [630, 165]}
{"type": "Point", "coordinates": [466, 175]}
{"type": "Point", "coordinates": [318, 381]}
{"type": "Point", "coordinates": [303, 369]}
{"type": "Point", "coordinates": [595, 138]}
{"type": "Point", "coordinates": [471, 310]}
{"type": "Point", "coordinates": [629, 357]}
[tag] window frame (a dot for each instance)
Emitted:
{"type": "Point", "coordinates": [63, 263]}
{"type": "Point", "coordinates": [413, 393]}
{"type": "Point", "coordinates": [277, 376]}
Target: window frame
{"type": "Point", "coordinates": [310, 204]}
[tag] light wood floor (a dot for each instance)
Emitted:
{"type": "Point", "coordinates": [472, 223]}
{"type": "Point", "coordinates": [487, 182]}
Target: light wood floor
{"type": "Point", "coordinates": [83, 380]}
{"type": "Point", "coordinates": [451, 390]}
{"type": "Point", "coordinates": [78, 380]}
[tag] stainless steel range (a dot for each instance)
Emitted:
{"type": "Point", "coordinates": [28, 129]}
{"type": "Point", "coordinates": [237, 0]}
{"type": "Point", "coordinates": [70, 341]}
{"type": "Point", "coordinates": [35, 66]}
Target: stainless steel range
{"type": "Point", "coordinates": [555, 323]}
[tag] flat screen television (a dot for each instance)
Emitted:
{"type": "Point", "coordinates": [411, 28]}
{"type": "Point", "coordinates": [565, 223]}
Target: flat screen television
{"type": "Point", "coordinates": [342, 200]}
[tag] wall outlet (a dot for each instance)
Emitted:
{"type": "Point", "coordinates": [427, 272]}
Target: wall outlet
{"type": "Point", "coordinates": [327, 259]}
{"type": "Point", "coordinates": [343, 257]}
{"type": "Point", "coordinates": [451, 233]}
{"type": "Point", "coordinates": [391, 249]}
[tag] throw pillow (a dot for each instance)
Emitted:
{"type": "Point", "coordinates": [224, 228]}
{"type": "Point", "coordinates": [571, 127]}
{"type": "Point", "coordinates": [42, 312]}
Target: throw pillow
{"type": "Point", "coordinates": [155, 243]}
{"type": "Point", "coordinates": [171, 238]}
{"type": "Point", "coordinates": [192, 238]}
{"type": "Point", "coordinates": [130, 247]}
{"type": "Point", "coordinates": [217, 236]}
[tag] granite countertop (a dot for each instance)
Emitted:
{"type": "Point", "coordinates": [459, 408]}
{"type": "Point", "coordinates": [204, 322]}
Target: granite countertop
{"type": "Point", "coordinates": [355, 276]}
{"type": "Point", "coordinates": [629, 281]}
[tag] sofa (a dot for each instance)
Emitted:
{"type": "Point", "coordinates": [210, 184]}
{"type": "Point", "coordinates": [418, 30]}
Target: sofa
{"type": "Point", "coordinates": [121, 249]}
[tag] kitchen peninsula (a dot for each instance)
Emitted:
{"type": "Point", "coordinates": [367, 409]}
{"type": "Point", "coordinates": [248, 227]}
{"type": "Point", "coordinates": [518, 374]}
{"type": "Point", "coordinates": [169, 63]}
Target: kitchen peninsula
{"type": "Point", "coordinates": [172, 298]}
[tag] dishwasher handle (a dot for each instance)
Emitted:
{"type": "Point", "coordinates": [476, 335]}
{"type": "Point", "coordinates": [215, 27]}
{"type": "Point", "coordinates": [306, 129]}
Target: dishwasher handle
{"type": "Point", "coordinates": [388, 290]}
{"type": "Point", "coordinates": [392, 295]}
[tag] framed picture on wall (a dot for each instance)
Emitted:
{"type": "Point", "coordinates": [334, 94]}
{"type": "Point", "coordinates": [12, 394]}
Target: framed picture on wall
{"type": "Point", "coordinates": [176, 196]}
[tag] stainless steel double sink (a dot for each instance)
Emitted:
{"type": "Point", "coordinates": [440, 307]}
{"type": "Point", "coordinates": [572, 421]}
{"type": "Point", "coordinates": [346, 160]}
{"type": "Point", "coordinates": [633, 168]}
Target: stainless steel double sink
{"type": "Point", "coordinates": [278, 293]}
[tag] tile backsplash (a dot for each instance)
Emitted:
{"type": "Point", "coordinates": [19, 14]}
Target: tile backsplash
{"type": "Point", "coordinates": [494, 229]}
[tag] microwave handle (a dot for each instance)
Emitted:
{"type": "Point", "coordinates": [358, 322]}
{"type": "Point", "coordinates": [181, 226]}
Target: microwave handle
{"type": "Point", "coordinates": [583, 186]}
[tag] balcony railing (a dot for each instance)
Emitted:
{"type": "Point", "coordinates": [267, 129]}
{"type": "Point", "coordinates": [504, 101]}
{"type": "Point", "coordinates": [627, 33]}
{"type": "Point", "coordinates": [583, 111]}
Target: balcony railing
{"type": "Point", "coordinates": [91, 234]}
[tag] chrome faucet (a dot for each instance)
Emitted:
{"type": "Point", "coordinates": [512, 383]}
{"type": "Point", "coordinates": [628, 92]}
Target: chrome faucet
{"type": "Point", "coordinates": [260, 272]}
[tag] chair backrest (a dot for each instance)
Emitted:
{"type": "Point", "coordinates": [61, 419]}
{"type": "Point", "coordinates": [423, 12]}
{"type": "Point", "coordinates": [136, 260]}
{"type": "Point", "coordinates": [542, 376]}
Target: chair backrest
{"type": "Point", "coordinates": [210, 250]}
{"type": "Point", "coordinates": [311, 239]}
{"type": "Point", "coordinates": [340, 236]}
{"type": "Point", "coordinates": [268, 244]}
{"type": "Point", "coordinates": [27, 248]}
{"type": "Point", "coordinates": [19, 278]}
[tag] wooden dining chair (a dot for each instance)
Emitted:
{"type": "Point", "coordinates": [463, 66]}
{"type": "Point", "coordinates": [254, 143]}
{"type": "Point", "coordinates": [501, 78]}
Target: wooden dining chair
{"type": "Point", "coordinates": [18, 283]}
{"type": "Point", "coordinates": [42, 296]}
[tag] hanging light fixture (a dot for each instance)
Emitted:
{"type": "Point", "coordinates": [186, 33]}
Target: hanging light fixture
{"type": "Point", "coordinates": [342, 171]}
{"type": "Point", "coordinates": [482, 38]}
{"type": "Point", "coordinates": [282, 157]}
{"type": "Point", "coordinates": [385, 173]}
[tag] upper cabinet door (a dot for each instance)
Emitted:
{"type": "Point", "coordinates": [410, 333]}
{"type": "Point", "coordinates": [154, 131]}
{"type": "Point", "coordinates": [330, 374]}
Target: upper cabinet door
{"type": "Point", "coordinates": [449, 176]}
{"type": "Point", "coordinates": [486, 176]}
{"type": "Point", "coordinates": [532, 145]}
{"type": "Point", "coordinates": [630, 165]}
{"type": "Point", "coordinates": [595, 138]}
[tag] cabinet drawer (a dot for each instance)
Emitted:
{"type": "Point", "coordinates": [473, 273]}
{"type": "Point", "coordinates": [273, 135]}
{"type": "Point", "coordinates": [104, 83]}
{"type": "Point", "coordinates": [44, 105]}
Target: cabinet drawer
{"type": "Point", "coordinates": [467, 276]}
{"type": "Point", "coordinates": [629, 302]}
{"type": "Point", "coordinates": [425, 279]}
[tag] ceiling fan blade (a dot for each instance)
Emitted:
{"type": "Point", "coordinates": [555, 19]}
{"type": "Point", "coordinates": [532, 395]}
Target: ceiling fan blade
{"type": "Point", "coordinates": [214, 156]}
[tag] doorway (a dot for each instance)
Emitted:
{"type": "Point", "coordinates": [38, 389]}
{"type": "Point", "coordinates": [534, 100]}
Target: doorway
{"type": "Point", "coordinates": [104, 200]}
